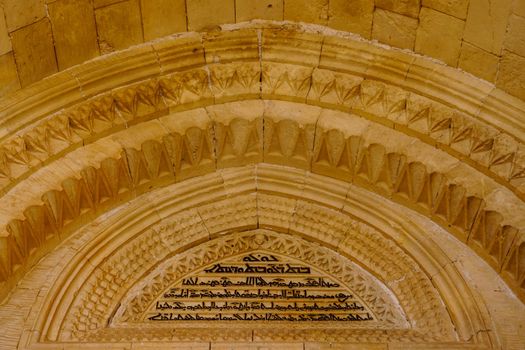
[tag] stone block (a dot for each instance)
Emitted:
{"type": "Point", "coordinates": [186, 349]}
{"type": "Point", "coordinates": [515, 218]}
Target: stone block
{"type": "Point", "coordinates": [287, 133]}
{"type": "Point", "coordinates": [171, 57]}
{"type": "Point", "coordinates": [8, 77]}
{"type": "Point", "coordinates": [20, 13]}
{"type": "Point", "coordinates": [34, 52]}
{"type": "Point", "coordinates": [102, 3]}
{"type": "Point", "coordinates": [74, 23]}
{"type": "Point", "coordinates": [242, 121]}
{"type": "Point", "coordinates": [206, 14]}
{"type": "Point", "coordinates": [515, 37]}
{"type": "Point", "coordinates": [268, 9]}
{"type": "Point", "coordinates": [476, 61]}
{"type": "Point", "coordinates": [291, 47]}
{"type": "Point", "coordinates": [456, 8]}
{"type": "Point", "coordinates": [486, 24]}
{"type": "Point", "coordinates": [5, 40]}
{"type": "Point", "coordinates": [352, 16]}
{"type": "Point", "coordinates": [404, 7]}
{"type": "Point", "coordinates": [171, 346]}
{"type": "Point", "coordinates": [243, 45]}
{"type": "Point", "coordinates": [394, 29]}
{"type": "Point", "coordinates": [437, 346]}
{"type": "Point", "coordinates": [511, 77]}
{"type": "Point", "coordinates": [162, 17]}
{"type": "Point", "coordinates": [119, 26]}
{"type": "Point", "coordinates": [439, 36]}
{"type": "Point", "coordinates": [345, 346]}
{"type": "Point", "coordinates": [310, 11]}
{"type": "Point", "coordinates": [257, 346]}
{"type": "Point", "coordinates": [518, 8]}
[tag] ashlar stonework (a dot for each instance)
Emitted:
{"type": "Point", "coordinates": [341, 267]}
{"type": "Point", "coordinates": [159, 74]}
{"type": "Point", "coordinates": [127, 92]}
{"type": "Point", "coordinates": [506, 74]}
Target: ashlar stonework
{"type": "Point", "coordinates": [270, 184]}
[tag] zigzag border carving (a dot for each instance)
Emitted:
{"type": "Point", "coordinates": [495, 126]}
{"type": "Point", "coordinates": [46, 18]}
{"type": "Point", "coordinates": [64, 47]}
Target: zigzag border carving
{"type": "Point", "coordinates": [487, 149]}
{"type": "Point", "coordinates": [432, 323]}
{"type": "Point", "coordinates": [217, 145]}
{"type": "Point", "coordinates": [200, 70]}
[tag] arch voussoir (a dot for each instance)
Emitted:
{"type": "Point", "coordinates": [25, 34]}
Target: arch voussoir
{"type": "Point", "coordinates": [189, 144]}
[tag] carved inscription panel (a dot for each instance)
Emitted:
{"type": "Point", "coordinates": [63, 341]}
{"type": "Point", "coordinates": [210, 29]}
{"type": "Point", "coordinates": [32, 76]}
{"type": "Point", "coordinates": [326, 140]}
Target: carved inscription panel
{"type": "Point", "coordinates": [259, 286]}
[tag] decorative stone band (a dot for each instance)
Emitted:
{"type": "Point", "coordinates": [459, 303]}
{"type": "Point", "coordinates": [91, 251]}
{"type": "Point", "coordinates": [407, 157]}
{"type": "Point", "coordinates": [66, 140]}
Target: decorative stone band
{"type": "Point", "coordinates": [386, 87]}
{"type": "Point", "coordinates": [144, 247]}
{"type": "Point", "coordinates": [442, 108]}
{"type": "Point", "coordinates": [100, 175]}
{"type": "Point", "coordinates": [426, 324]}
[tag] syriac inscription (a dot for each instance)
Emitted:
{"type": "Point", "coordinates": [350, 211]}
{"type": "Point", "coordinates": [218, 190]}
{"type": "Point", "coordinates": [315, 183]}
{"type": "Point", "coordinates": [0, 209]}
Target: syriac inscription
{"type": "Point", "coordinates": [259, 287]}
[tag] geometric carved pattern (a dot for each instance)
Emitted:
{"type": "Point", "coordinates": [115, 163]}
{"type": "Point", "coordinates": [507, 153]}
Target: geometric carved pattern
{"type": "Point", "coordinates": [428, 320]}
{"type": "Point", "coordinates": [484, 147]}
{"type": "Point", "coordinates": [259, 65]}
{"type": "Point", "coordinates": [261, 286]}
{"type": "Point", "coordinates": [169, 221]}
{"type": "Point", "coordinates": [373, 297]}
{"type": "Point", "coordinates": [329, 152]}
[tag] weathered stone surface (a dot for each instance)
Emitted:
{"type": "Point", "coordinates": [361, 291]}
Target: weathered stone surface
{"type": "Point", "coordinates": [8, 77]}
{"type": "Point", "coordinates": [162, 17]}
{"type": "Point", "coordinates": [259, 346]}
{"type": "Point", "coordinates": [345, 346]}
{"type": "Point", "coordinates": [34, 52]}
{"type": "Point", "coordinates": [404, 7]}
{"type": "Point", "coordinates": [21, 13]}
{"type": "Point", "coordinates": [5, 40]}
{"type": "Point", "coordinates": [411, 159]}
{"type": "Point", "coordinates": [394, 29]}
{"type": "Point", "coordinates": [119, 26]}
{"type": "Point", "coordinates": [268, 9]}
{"type": "Point", "coordinates": [515, 37]}
{"type": "Point", "coordinates": [310, 11]}
{"type": "Point", "coordinates": [306, 48]}
{"type": "Point", "coordinates": [478, 62]}
{"type": "Point", "coordinates": [511, 75]}
{"type": "Point", "coordinates": [439, 36]}
{"type": "Point", "coordinates": [518, 8]}
{"type": "Point", "coordinates": [101, 3]}
{"type": "Point", "coordinates": [486, 24]}
{"type": "Point", "coordinates": [171, 346]}
{"type": "Point", "coordinates": [217, 12]}
{"type": "Point", "coordinates": [456, 8]}
{"type": "Point", "coordinates": [352, 16]}
{"type": "Point", "coordinates": [75, 19]}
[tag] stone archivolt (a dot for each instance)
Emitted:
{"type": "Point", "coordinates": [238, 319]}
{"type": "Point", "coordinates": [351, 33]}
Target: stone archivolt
{"type": "Point", "coordinates": [231, 67]}
{"type": "Point", "coordinates": [188, 144]}
{"type": "Point", "coordinates": [114, 278]}
{"type": "Point", "coordinates": [410, 130]}
{"type": "Point", "coordinates": [63, 33]}
{"type": "Point", "coordinates": [489, 150]}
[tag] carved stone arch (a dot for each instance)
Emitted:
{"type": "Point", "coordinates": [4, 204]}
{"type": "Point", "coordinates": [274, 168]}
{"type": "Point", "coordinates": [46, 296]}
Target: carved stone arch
{"type": "Point", "coordinates": [269, 207]}
{"type": "Point", "coordinates": [198, 141]}
{"type": "Point", "coordinates": [339, 117]}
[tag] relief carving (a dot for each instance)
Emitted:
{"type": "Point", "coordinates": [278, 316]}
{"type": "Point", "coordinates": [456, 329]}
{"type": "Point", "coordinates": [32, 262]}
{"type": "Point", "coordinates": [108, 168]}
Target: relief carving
{"type": "Point", "coordinates": [259, 286]}
{"type": "Point", "coordinates": [137, 307]}
{"type": "Point", "coordinates": [196, 151]}
{"type": "Point", "coordinates": [176, 156]}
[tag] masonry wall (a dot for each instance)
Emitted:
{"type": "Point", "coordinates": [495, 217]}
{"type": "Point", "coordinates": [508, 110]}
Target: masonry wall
{"type": "Point", "coordinates": [41, 37]}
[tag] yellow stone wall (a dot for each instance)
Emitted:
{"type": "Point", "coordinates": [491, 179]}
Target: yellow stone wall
{"type": "Point", "coordinates": [286, 126]}
{"type": "Point", "coordinates": [41, 37]}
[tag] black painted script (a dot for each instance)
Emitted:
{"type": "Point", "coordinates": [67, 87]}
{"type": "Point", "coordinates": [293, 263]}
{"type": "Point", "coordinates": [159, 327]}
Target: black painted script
{"type": "Point", "coordinates": [259, 287]}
